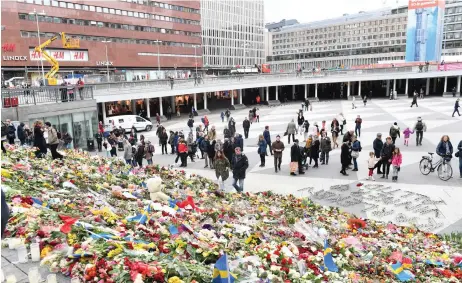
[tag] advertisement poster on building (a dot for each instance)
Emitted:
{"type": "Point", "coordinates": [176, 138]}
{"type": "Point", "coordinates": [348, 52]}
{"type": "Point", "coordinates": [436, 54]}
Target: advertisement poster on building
{"type": "Point", "coordinates": [424, 30]}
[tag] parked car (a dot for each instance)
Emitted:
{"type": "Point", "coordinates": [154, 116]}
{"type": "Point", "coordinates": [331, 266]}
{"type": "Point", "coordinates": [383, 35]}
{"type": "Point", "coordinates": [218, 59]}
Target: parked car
{"type": "Point", "coordinates": [129, 121]}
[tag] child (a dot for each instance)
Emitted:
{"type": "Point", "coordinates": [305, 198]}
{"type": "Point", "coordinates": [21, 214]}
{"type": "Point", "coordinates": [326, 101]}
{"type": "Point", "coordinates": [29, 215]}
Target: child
{"type": "Point", "coordinates": [371, 164]}
{"type": "Point", "coordinates": [407, 133]}
{"type": "Point", "coordinates": [324, 124]}
{"type": "Point", "coordinates": [396, 161]}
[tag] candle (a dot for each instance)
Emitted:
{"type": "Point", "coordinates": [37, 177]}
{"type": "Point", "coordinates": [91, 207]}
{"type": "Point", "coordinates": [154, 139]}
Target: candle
{"type": "Point", "coordinates": [75, 280]}
{"type": "Point", "coordinates": [51, 278]}
{"type": "Point", "coordinates": [34, 275]}
{"type": "Point", "coordinates": [13, 243]}
{"type": "Point", "coordinates": [35, 251]}
{"type": "Point", "coordinates": [22, 253]}
{"type": "Point", "coordinates": [11, 279]}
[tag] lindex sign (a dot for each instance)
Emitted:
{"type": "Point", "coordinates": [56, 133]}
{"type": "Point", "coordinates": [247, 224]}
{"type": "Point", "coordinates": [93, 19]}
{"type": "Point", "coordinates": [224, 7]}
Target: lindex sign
{"type": "Point", "coordinates": [104, 63]}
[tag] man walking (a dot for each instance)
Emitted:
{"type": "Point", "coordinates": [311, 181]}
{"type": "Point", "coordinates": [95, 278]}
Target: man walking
{"type": "Point", "coordinates": [414, 100]}
{"type": "Point", "coordinates": [246, 126]}
{"type": "Point", "coordinates": [267, 137]}
{"type": "Point", "coordinates": [454, 92]}
{"type": "Point", "coordinates": [358, 123]}
{"type": "Point", "coordinates": [240, 164]}
{"type": "Point", "coordinates": [278, 148]}
{"type": "Point", "coordinates": [456, 108]}
{"type": "Point", "coordinates": [296, 156]}
{"type": "Point", "coordinates": [395, 132]}
{"type": "Point", "coordinates": [386, 155]}
{"type": "Point", "coordinates": [419, 128]}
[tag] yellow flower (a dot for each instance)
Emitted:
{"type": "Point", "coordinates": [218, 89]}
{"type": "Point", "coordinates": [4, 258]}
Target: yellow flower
{"type": "Point", "coordinates": [175, 279]}
{"type": "Point", "coordinates": [71, 238]}
{"type": "Point", "coordinates": [6, 173]}
{"type": "Point", "coordinates": [115, 252]}
{"type": "Point", "coordinates": [205, 254]}
{"type": "Point", "coordinates": [45, 251]}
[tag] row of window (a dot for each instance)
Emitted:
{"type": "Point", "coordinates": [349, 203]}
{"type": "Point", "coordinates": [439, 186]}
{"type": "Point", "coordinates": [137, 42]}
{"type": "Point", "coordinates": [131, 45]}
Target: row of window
{"type": "Point", "coordinates": [454, 27]}
{"type": "Point", "coordinates": [111, 39]}
{"type": "Point", "coordinates": [453, 10]}
{"type": "Point", "coordinates": [104, 10]}
{"type": "Point", "coordinates": [347, 52]}
{"type": "Point", "coordinates": [79, 22]}
{"type": "Point", "coordinates": [453, 19]}
{"type": "Point", "coordinates": [164, 5]}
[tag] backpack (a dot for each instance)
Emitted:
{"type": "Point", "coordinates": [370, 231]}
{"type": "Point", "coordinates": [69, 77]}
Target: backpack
{"type": "Point", "coordinates": [190, 123]}
{"type": "Point", "coordinates": [58, 134]}
{"type": "Point", "coordinates": [151, 148]}
{"type": "Point", "coordinates": [394, 131]}
{"type": "Point", "coordinates": [419, 126]}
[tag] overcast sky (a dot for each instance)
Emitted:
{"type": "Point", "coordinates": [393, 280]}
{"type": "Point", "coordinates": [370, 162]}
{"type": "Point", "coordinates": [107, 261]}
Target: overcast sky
{"type": "Point", "coordinates": [315, 10]}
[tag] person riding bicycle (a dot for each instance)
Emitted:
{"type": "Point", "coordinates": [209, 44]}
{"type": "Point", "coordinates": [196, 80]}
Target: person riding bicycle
{"type": "Point", "coordinates": [444, 148]}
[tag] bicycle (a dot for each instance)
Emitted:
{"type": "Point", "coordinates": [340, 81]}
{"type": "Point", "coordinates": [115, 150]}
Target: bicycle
{"type": "Point", "coordinates": [443, 166]}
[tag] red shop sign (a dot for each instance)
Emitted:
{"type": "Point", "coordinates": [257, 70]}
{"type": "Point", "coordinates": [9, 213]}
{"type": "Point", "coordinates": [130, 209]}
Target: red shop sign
{"type": "Point", "coordinates": [8, 47]}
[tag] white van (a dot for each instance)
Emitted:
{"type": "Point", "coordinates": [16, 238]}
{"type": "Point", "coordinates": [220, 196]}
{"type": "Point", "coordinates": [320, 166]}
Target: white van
{"type": "Point", "coordinates": [129, 121]}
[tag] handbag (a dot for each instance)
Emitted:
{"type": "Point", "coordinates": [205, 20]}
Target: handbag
{"type": "Point", "coordinates": [293, 167]}
{"type": "Point", "coordinates": [285, 133]}
{"type": "Point", "coordinates": [355, 154]}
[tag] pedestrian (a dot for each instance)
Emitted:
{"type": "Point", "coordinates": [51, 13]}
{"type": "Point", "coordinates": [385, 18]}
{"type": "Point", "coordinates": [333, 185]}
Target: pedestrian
{"type": "Point", "coordinates": [171, 142]}
{"type": "Point", "coordinates": [199, 131]}
{"type": "Point", "coordinates": [227, 114]}
{"type": "Point", "coordinates": [11, 132]}
{"type": "Point", "coordinates": [278, 148]}
{"type": "Point", "coordinates": [342, 122]}
{"type": "Point", "coordinates": [53, 141]}
{"type": "Point", "coordinates": [386, 157]}
{"type": "Point", "coordinates": [291, 129]}
{"type": "Point", "coordinates": [149, 152]}
{"type": "Point", "coordinates": [206, 123]}
{"type": "Point", "coordinates": [228, 150]}
{"type": "Point", "coordinates": [335, 129]}
{"type": "Point", "coordinates": [204, 147]}
{"type": "Point", "coordinates": [222, 166]}
{"type": "Point", "coordinates": [140, 152]}
{"type": "Point", "coordinates": [169, 113]}
{"type": "Point", "coordinates": [456, 108]}
{"type": "Point", "coordinates": [21, 133]}
{"type": "Point", "coordinates": [407, 134]}
{"type": "Point", "coordinates": [444, 147]}
{"type": "Point", "coordinates": [227, 133]}
{"type": "Point", "coordinates": [39, 139]}
{"type": "Point", "coordinates": [300, 121]}
{"type": "Point", "coordinates": [222, 115]}
{"type": "Point", "coordinates": [295, 159]}
{"type": "Point", "coordinates": [190, 124]}
{"type": "Point", "coordinates": [67, 139]}
{"type": "Point", "coordinates": [128, 152]}
{"type": "Point", "coordinates": [212, 134]}
{"type": "Point", "coordinates": [414, 100]}
{"type": "Point", "coordinates": [29, 135]}
{"type": "Point", "coordinates": [391, 94]}
{"type": "Point", "coordinates": [421, 93]}
{"type": "Point", "coordinates": [238, 141]}
{"type": "Point", "coordinates": [419, 128]}
{"type": "Point", "coordinates": [326, 147]}
{"type": "Point", "coordinates": [371, 162]}
{"type": "Point", "coordinates": [459, 155]}
{"type": "Point", "coordinates": [261, 150]}
{"type": "Point", "coordinates": [395, 132]}
{"type": "Point", "coordinates": [113, 150]}
{"type": "Point", "coordinates": [365, 100]}
{"type": "Point", "coordinates": [344, 157]}
{"type": "Point", "coordinates": [240, 164]}
{"type": "Point", "coordinates": [192, 146]}
{"type": "Point", "coordinates": [358, 123]}
{"type": "Point", "coordinates": [246, 126]}
{"type": "Point", "coordinates": [267, 136]}
{"type": "Point", "coordinates": [355, 150]}
{"type": "Point", "coordinates": [99, 141]}
{"type": "Point", "coordinates": [232, 126]}
{"type": "Point", "coordinates": [396, 161]}
{"type": "Point", "coordinates": [454, 92]}
{"type": "Point", "coordinates": [251, 118]}
{"type": "Point", "coordinates": [183, 152]}
{"type": "Point", "coordinates": [314, 151]}
{"type": "Point", "coordinates": [353, 100]}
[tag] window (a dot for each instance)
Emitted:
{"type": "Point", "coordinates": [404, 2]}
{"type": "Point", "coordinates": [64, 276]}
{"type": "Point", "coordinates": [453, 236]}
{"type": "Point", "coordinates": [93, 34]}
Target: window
{"type": "Point", "coordinates": [118, 12]}
{"type": "Point", "coordinates": [85, 7]}
{"type": "Point", "coordinates": [106, 10]}
{"type": "Point", "coordinates": [111, 11]}
{"type": "Point", "coordinates": [46, 2]}
{"type": "Point", "coordinates": [141, 15]}
{"type": "Point", "coordinates": [92, 8]}
{"type": "Point", "coordinates": [124, 13]}
{"type": "Point", "coordinates": [62, 4]}
{"type": "Point", "coordinates": [130, 14]}
{"type": "Point", "coordinates": [99, 9]}
{"type": "Point", "coordinates": [57, 20]}
{"type": "Point", "coordinates": [100, 24]}
{"type": "Point", "coordinates": [70, 6]}
{"type": "Point", "coordinates": [30, 1]}
{"type": "Point", "coordinates": [138, 119]}
{"type": "Point", "coordinates": [38, 2]}
{"type": "Point", "coordinates": [135, 14]}
{"type": "Point", "coordinates": [78, 7]}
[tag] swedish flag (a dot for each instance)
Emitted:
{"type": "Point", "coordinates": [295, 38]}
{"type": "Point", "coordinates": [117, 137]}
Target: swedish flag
{"type": "Point", "coordinates": [329, 263]}
{"type": "Point", "coordinates": [221, 272]}
{"type": "Point", "coordinates": [142, 217]}
{"type": "Point", "coordinates": [401, 274]}
{"type": "Point", "coordinates": [172, 204]}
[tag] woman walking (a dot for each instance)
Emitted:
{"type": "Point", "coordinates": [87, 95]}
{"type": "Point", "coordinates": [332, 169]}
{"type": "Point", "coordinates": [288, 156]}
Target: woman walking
{"type": "Point", "coordinates": [355, 149]}
{"type": "Point", "coordinates": [335, 129]}
{"type": "Point", "coordinates": [344, 158]}
{"type": "Point", "coordinates": [300, 120]}
{"type": "Point", "coordinates": [222, 166]}
{"type": "Point", "coordinates": [262, 150]}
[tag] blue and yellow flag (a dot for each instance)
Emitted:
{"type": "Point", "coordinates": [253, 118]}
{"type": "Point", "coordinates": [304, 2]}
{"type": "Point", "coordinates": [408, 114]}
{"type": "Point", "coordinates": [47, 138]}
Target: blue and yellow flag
{"type": "Point", "coordinates": [142, 217]}
{"type": "Point", "coordinates": [172, 204]}
{"type": "Point", "coordinates": [401, 274]}
{"type": "Point", "coordinates": [329, 263]}
{"type": "Point", "coordinates": [221, 272]}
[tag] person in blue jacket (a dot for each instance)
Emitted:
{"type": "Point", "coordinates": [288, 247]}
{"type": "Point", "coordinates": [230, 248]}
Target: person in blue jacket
{"type": "Point", "coordinates": [5, 213]}
{"type": "Point", "coordinates": [262, 150]}
{"type": "Point", "coordinates": [444, 147]}
{"type": "Point", "coordinates": [267, 136]}
{"type": "Point", "coordinates": [238, 141]}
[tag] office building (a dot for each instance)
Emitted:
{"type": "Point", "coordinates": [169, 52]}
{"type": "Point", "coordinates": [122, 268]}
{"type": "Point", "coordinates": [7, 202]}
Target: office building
{"type": "Point", "coordinates": [280, 24]}
{"type": "Point", "coordinates": [232, 33]}
{"type": "Point", "coordinates": [452, 40]}
{"type": "Point", "coordinates": [133, 39]}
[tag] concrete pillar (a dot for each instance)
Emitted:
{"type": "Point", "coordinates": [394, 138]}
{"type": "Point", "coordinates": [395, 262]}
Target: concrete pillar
{"type": "Point", "coordinates": [104, 111]}
{"type": "Point", "coordinates": [435, 80]}
{"type": "Point", "coordinates": [394, 85]}
{"type": "Point", "coordinates": [195, 101]}
{"type": "Point", "coordinates": [133, 107]}
{"type": "Point", "coordinates": [205, 100]}
{"type": "Point", "coordinates": [293, 92]}
{"type": "Point", "coordinates": [427, 87]}
{"type": "Point", "coordinates": [148, 109]}
{"type": "Point", "coordinates": [232, 97]}
{"type": "Point", "coordinates": [388, 87]}
{"type": "Point", "coordinates": [306, 91]}
{"type": "Point", "coordinates": [359, 88]}
{"type": "Point", "coordinates": [348, 89]}
{"type": "Point", "coordinates": [316, 90]}
{"type": "Point", "coordinates": [445, 85]}
{"type": "Point", "coordinates": [240, 96]}
{"type": "Point", "coordinates": [172, 104]}
{"type": "Point", "coordinates": [277, 87]}
{"type": "Point", "coordinates": [267, 93]}
{"type": "Point", "coordinates": [161, 107]}
{"type": "Point", "coordinates": [262, 94]}
{"type": "Point", "coordinates": [407, 87]}
{"type": "Point", "coordinates": [458, 84]}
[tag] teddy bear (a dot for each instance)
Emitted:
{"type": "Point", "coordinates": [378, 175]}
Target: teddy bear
{"type": "Point", "coordinates": [154, 186]}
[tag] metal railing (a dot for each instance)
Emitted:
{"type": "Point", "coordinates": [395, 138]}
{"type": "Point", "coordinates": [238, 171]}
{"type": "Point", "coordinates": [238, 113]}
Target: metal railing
{"type": "Point", "coordinates": [44, 95]}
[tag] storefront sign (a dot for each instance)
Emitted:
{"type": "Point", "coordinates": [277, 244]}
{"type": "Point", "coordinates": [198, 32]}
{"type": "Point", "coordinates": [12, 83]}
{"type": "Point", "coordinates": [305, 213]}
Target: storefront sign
{"type": "Point", "coordinates": [104, 63]}
{"type": "Point", "coordinates": [8, 47]}
{"type": "Point", "coordinates": [450, 67]}
{"type": "Point", "coordinates": [14, 58]}
{"type": "Point", "coordinates": [61, 55]}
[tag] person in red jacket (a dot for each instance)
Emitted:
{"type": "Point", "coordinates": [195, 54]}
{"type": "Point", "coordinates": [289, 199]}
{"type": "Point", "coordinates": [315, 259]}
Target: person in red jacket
{"type": "Point", "coordinates": [183, 152]}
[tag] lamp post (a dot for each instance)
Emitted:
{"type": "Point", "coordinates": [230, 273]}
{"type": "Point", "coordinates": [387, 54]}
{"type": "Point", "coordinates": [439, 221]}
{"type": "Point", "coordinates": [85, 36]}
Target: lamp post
{"type": "Point", "coordinates": [245, 44]}
{"type": "Point", "coordinates": [195, 56]}
{"type": "Point", "coordinates": [107, 59]}
{"type": "Point", "coordinates": [38, 35]}
{"type": "Point", "coordinates": [158, 55]}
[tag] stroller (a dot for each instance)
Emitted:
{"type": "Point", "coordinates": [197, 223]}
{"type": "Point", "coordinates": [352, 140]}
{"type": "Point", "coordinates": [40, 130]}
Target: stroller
{"type": "Point", "coordinates": [305, 152]}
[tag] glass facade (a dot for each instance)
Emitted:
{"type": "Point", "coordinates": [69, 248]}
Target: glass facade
{"type": "Point", "coordinates": [81, 126]}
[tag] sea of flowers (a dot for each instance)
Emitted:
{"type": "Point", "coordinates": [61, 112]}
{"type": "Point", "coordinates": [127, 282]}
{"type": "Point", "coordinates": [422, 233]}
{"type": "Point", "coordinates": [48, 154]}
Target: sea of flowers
{"type": "Point", "coordinates": [94, 220]}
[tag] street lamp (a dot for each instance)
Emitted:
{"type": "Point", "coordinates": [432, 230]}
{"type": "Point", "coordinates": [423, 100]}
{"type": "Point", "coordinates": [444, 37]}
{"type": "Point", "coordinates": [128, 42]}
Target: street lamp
{"type": "Point", "coordinates": [158, 55]}
{"type": "Point", "coordinates": [245, 44]}
{"type": "Point", "coordinates": [107, 59]}
{"type": "Point", "coordinates": [38, 35]}
{"type": "Point", "coordinates": [195, 56]}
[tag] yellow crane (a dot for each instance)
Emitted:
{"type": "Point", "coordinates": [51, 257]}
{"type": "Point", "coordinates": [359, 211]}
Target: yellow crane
{"type": "Point", "coordinates": [67, 43]}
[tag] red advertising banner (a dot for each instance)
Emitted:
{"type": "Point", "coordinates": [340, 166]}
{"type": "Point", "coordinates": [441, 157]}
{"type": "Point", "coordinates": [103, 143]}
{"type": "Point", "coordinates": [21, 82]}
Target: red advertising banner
{"type": "Point", "coordinates": [450, 67]}
{"type": "Point", "coordinates": [420, 4]}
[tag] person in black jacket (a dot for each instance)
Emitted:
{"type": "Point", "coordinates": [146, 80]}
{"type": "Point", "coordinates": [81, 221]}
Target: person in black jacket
{"type": "Point", "coordinates": [246, 126]}
{"type": "Point", "coordinates": [300, 121]}
{"type": "Point", "coordinates": [378, 145]}
{"type": "Point", "coordinates": [232, 126]}
{"type": "Point", "coordinates": [228, 150]}
{"type": "Point", "coordinates": [240, 164]}
{"type": "Point", "coordinates": [5, 213]}
{"type": "Point", "coordinates": [21, 133]}
{"type": "Point", "coordinates": [99, 141]}
{"type": "Point", "coordinates": [163, 138]}
{"type": "Point", "coordinates": [314, 151]}
{"type": "Point", "coordinates": [345, 157]}
{"type": "Point", "coordinates": [385, 157]}
{"type": "Point", "coordinates": [39, 140]}
{"type": "Point", "coordinates": [11, 132]}
{"type": "Point", "coordinates": [296, 156]}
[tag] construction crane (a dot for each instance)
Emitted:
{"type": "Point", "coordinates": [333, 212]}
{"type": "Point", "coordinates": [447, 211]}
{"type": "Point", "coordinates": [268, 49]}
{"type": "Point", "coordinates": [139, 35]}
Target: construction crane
{"type": "Point", "coordinates": [67, 43]}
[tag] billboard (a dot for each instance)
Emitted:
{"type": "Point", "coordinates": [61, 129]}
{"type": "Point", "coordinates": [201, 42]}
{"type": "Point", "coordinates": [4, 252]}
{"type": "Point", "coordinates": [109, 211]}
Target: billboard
{"type": "Point", "coordinates": [424, 30]}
